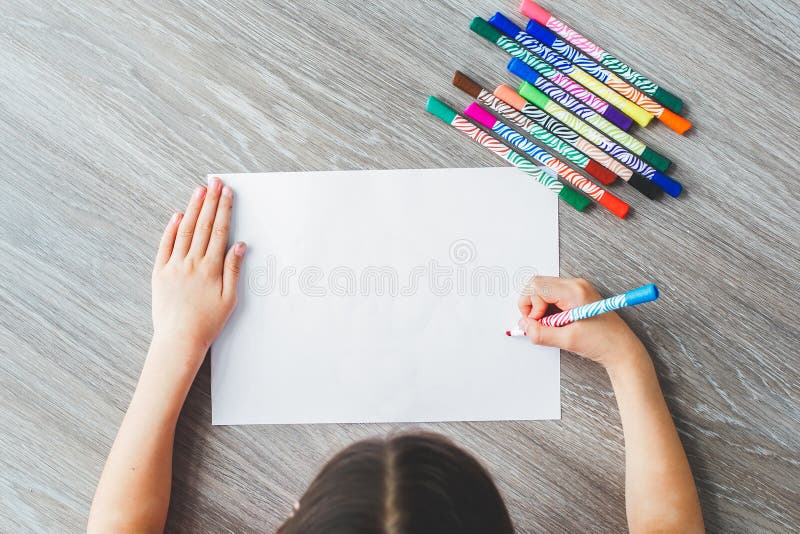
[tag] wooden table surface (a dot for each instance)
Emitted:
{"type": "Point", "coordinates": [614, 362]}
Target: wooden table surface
{"type": "Point", "coordinates": [110, 113]}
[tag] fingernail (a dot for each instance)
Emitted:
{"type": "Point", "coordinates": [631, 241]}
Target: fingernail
{"type": "Point", "coordinates": [239, 249]}
{"type": "Point", "coordinates": [199, 192]}
{"type": "Point", "coordinates": [214, 183]}
{"type": "Point", "coordinates": [227, 191]}
{"type": "Point", "coordinates": [174, 218]}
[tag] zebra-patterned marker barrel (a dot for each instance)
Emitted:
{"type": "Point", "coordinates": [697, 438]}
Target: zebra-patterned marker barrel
{"type": "Point", "coordinates": [633, 297]}
{"type": "Point", "coordinates": [669, 185]}
{"type": "Point", "coordinates": [488, 32]}
{"type": "Point", "coordinates": [556, 94]}
{"type": "Point", "coordinates": [511, 100]}
{"type": "Point", "coordinates": [665, 115]}
{"type": "Point", "coordinates": [520, 142]}
{"type": "Point", "coordinates": [535, 12]}
{"type": "Point", "coordinates": [640, 295]}
{"type": "Point", "coordinates": [639, 181]}
{"type": "Point", "coordinates": [627, 105]}
{"type": "Point", "coordinates": [576, 156]}
{"type": "Point", "coordinates": [448, 115]}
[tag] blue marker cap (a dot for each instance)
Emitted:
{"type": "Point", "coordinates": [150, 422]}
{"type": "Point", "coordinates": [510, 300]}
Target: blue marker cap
{"type": "Point", "coordinates": [502, 23]}
{"type": "Point", "coordinates": [518, 67]}
{"type": "Point", "coordinates": [670, 186]}
{"type": "Point", "coordinates": [641, 295]}
{"type": "Point", "coordinates": [540, 32]}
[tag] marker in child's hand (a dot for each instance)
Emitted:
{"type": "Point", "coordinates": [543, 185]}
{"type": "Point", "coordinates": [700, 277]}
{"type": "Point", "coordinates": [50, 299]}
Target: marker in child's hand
{"type": "Point", "coordinates": [633, 297]}
{"type": "Point", "coordinates": [516, 332]}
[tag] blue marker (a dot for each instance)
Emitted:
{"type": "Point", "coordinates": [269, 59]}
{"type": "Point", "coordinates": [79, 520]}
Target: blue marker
{"type": "Point", "coordinates": [633, 297]}
{"type": "Point", "coordinates": [501, 22]}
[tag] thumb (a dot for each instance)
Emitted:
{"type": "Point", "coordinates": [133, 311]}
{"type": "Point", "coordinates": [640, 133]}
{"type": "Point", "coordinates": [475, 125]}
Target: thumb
{"type": "Point", "coordinates": [548, 336]}
{"type": "Point", "coordinates": [233, 266]}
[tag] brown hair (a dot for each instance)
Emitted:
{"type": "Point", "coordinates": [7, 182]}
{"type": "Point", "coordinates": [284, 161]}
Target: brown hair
{"type": "Point", "coordinates": [403, 484]}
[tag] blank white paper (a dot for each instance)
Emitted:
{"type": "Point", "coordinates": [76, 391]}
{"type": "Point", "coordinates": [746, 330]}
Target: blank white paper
{"type": "Point", "coordinates": [384, 296]}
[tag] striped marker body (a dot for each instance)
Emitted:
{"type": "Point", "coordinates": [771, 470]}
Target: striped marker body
{"type": "Point", "coordinates": [590, 100]}
{"type": "Point", "coordinates": [563, 147]}
{"type": "Point", "coordinates": [558, 94]}
{"type": "Point", "coordinates": [548, 38]}
{"type": "Point", "coordinates": [597, 138]}
{"type": "Point", "coordinates": [589, 65]}
{"type": "Point", "coordinates": [520, 142]}
{"type": "Point", "coordinates": [559, 133]}
{"type": "Point", "coordinates": [643, 184]}
{"type": "Point", "coordinates": [545, 90]}
{"type": "Point", "coordinates": [559, 129]}
{"type": "Point", "coordinates": [530, 115]}
{"type": "Point", "coordinates": [619, 153]}
{"type": "Point", "coordinates": [640, 295]}
{"type": "Point", "coordinates": [587, 131]}
{"type": "Point", "coordinates": [666, 183]}
{"type": "Point", "coordinates": [569, 316]}
{"type": "Point", "coordinates": [535, 12]}
{"type": "Point", "coordinates": [449, 116]}
{"type": "Point", "coordinates": [625, 105]}
{"type": "Point", "coordinates": [562, 49]}
{"type": "Point", "coordinates": [639, 163]}
{"type": "Point", "coordinates": [486, 140]}
{"type": "Point", "coordinates": [605, 59]}
{"type": "Point", "coordinates": [486, 30]}
{"type": "Point", "coordinates": [633, 297]}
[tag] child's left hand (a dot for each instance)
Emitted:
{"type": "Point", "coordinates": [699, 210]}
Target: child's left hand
{"type": "Point", "coordinates": [194, 293]}
{"type": "Point", "coordinates": [194, 280]}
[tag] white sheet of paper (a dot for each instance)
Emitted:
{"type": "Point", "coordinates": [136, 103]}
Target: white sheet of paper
{"type": "Point", "coordinates": [384, 296]}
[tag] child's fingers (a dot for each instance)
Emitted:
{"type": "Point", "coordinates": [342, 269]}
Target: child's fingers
{"type": "Point", "coordinates": [524, 303]}
{"type": "Point", "coordinates": [222, 222]}
{"type": "Point", "coordinates": [566, 293]}
{"type": "Point", "coordinates": [549, 336]}
{"type": "Point", "coordinates": [540, 292]}
{"type": "Point", "coordinates": [205, 221]}
{"type": "Point", "coordinates": [530, 303]}
{"type": "Point", "coordinates": [230, 274]}
{"type": "Point", "coordinates": [168, 240]}
{"type": "Point", "coordinates": [186, 227]}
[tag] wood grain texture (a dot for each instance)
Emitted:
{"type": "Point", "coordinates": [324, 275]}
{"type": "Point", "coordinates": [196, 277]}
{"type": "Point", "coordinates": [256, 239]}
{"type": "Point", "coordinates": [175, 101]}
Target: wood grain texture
{"type": "Point", "coordinates": [110, 113]}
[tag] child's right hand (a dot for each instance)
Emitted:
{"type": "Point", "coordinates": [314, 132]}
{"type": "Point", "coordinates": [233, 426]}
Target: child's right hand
{"type": "Point", "coordinates": [605, 338]}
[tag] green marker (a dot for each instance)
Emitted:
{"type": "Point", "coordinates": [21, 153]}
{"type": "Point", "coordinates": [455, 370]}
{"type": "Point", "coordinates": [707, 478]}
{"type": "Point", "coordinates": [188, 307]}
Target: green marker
{"type": "Point", "coordinates": [539, 173]}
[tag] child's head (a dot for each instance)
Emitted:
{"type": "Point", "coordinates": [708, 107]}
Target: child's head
{"type": "Point", "coordinates": [406, 483]}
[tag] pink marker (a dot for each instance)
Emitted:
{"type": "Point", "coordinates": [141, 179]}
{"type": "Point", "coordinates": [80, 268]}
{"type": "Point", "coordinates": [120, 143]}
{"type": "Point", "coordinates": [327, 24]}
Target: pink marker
{"type": "Point", "coordinates": [535, 12]}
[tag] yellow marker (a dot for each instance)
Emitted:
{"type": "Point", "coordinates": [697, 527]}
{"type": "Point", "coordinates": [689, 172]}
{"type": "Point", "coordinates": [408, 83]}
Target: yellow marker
{"type": "Point", "coordinates": [634, 111]}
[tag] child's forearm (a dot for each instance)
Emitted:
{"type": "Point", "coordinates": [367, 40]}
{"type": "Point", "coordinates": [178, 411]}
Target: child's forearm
{"type": "Point", "coordinates": [133, 492]}
{"type": "Point", "coordinates": [660, 490]}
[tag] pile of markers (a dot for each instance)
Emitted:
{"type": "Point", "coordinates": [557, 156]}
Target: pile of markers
{"type": "Point", "coordinates": [578, 101]}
